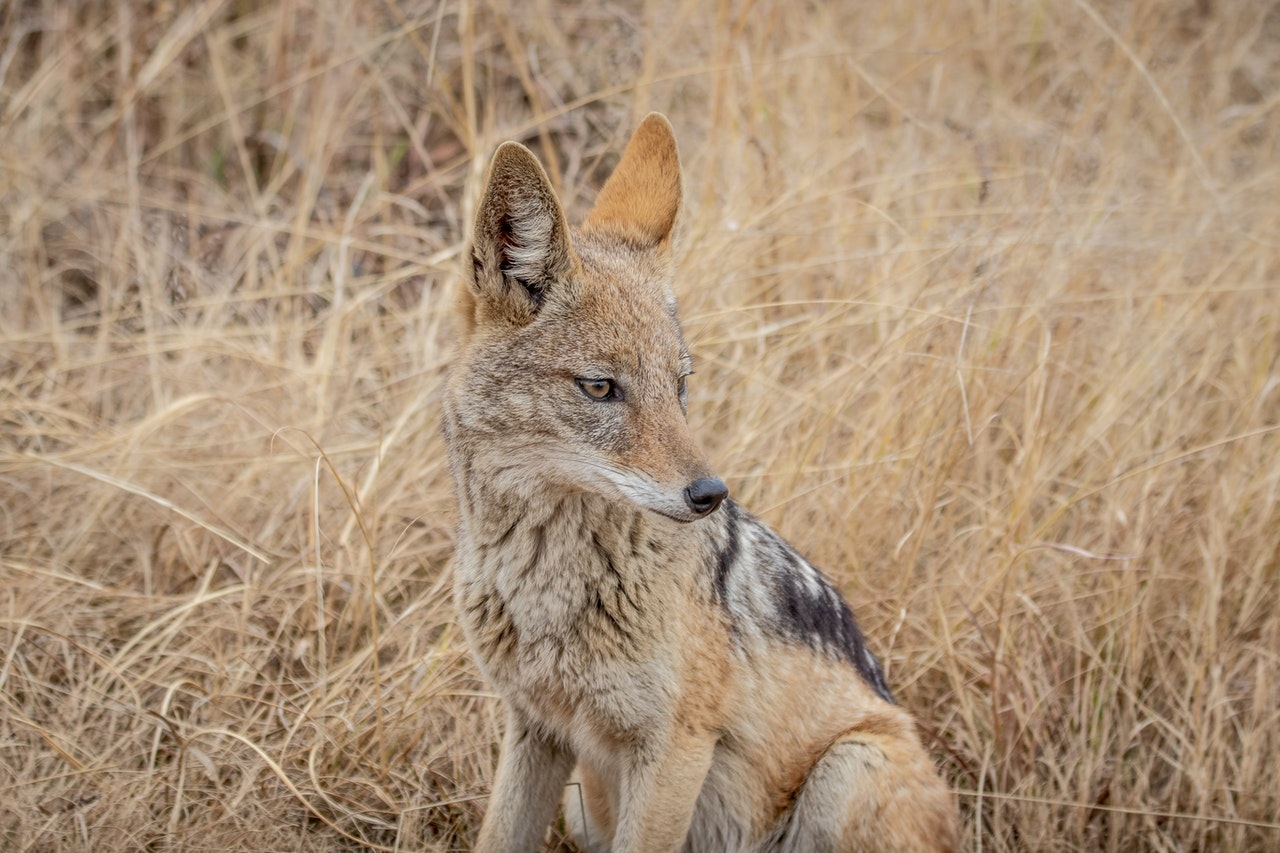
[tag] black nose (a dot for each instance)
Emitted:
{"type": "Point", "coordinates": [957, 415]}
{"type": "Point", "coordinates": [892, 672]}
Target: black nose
{"type": "Point", "coordinates": [704, 494]}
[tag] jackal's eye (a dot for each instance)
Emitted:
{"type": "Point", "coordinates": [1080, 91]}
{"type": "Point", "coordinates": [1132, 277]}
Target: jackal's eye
{"type": "Point", "coordinates": [682, 391]}
{"type": "Point", "coordinates": [598, 389]}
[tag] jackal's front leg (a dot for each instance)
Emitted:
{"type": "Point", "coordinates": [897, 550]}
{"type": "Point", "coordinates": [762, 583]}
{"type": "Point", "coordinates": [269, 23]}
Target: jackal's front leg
{"type": "Point", "coordinates": [660, 793]}
{"type": "Point", "coordinates": [531, 774]}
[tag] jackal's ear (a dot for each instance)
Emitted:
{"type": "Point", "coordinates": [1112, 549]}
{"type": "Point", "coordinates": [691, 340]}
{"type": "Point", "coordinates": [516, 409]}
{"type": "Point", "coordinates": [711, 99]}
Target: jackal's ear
{"type": "Point", "coordinates": [641, 200]}
{"type": "Point", "coordinates": [520, 251]}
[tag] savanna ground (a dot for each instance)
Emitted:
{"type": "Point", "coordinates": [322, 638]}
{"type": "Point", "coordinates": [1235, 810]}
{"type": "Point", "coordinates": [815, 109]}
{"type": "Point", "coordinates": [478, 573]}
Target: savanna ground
{"type": "Point", "coordinates": [984, 299]}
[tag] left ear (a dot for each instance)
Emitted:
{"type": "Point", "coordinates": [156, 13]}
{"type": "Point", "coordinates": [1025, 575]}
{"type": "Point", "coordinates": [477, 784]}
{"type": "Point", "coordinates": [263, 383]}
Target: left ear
{"type": "Point", "coordinates": [642, 198]}
{"type": "Point", "coordinates": [521, 254]}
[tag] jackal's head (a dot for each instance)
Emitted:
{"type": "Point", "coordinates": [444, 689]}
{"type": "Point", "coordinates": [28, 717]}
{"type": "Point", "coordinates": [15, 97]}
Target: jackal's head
{"type": "Point", "coordinates": [572, 371]}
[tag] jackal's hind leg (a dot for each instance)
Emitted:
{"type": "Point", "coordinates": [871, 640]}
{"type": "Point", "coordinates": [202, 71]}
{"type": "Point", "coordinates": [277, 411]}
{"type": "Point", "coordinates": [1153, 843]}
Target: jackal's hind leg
{"type": "Point", "coordinates": [588, 812]}
{"type": "Point", "coordinates": [874, 789]}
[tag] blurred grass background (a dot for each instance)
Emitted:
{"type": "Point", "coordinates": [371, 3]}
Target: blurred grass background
{"type": "Point", "coordinates": [984, 299]}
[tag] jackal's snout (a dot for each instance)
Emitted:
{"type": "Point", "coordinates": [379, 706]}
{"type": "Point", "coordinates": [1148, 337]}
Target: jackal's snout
{"type": "Point", "coordinates": [705, 494]}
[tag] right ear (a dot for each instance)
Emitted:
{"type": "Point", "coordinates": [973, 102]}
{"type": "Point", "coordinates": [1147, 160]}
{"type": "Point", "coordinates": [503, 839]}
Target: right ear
{"type": "Point", "coordinates": [520, 251]}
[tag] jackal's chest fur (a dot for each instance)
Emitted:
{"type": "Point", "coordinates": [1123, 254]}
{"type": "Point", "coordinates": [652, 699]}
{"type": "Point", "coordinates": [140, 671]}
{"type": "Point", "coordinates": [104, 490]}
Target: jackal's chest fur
{"type": "Point", "coordinates": [567, 607]}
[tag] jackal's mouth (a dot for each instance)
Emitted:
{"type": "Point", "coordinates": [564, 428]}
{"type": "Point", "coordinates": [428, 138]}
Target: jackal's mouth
{"type": "Point", "coordinates": [694, 501]}
{"type": "Point", "coordinates": [702, 497]}
{"type": "Point", "coordinates": [681, 519]}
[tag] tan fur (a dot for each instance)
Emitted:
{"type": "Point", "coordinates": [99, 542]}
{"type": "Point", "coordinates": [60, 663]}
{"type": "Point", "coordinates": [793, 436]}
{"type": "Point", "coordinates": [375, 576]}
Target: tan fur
{"type": "Point", "coordinates": [642, 197]}
{"type": "Point", "coordinates": [708, 683]}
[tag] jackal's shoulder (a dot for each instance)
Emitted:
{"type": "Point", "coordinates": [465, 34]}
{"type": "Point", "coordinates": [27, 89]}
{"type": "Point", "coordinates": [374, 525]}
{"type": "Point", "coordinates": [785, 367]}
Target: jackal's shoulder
{"type": "Point", "coordinates": [770, 591]}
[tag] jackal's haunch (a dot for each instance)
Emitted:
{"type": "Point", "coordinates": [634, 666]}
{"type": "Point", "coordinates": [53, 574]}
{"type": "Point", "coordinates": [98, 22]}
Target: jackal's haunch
{"type": "Point", "coordinates": [707, 686]}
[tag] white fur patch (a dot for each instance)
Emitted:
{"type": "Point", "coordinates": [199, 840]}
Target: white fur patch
{"type": "Point", "coordinates": [531, 228]}
{"type": "Point", "coordinates": [644, 491]}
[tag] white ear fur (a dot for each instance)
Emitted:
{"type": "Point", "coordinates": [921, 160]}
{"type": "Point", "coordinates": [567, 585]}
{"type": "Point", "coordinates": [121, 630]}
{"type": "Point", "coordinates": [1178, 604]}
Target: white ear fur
{"type": "Point", "coordinates": [528, 244]}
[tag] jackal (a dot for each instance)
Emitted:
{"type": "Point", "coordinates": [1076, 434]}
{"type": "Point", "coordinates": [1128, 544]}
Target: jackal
{"type": "Point", "coordinates": [706, 685]}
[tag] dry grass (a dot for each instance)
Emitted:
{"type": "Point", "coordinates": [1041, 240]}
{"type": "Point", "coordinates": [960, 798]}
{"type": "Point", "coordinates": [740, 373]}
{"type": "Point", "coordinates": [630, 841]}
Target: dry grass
{"type": "Point", "coordinates": [986, 311]}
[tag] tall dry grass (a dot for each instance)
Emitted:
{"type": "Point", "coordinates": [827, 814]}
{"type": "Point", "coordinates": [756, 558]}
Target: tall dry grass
{"type": "Point", "coordinates": [986, 308]}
